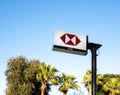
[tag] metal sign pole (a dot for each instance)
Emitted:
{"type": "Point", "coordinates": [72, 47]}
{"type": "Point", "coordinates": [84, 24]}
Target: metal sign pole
{"type": "Point", "coordinates": [93, 47]}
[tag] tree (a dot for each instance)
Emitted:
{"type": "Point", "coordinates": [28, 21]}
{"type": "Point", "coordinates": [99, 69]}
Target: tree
{"type": "Point", "coordinates": [107, 84]}
{"type": "Point", "coordinates": [30, 77]}
{"type": "Point", "coordinates": [67, 82]}
{"type": "Point", "coordinates": [15, 76]}
{"type": "Point", "coordinates": [20, 75]}
{"type": "Point", "coordinates": [87, 81]}
{"type": "Point", "coordinates": [112, 85]}
{"type": "Point", "coordinates": [44, 75]}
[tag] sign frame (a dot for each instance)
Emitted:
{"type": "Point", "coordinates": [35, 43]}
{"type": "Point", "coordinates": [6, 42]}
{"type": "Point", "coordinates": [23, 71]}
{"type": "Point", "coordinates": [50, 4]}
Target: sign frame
{"type": "Point", "coordinates": [67, 48]}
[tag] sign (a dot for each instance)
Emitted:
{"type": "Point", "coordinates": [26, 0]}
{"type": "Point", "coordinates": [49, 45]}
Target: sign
{"type": "Point", "coordinates": [70, 42]}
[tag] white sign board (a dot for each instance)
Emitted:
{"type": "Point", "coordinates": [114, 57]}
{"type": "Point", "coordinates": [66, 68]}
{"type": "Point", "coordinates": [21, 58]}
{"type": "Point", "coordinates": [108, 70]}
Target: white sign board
{"type": "Point", "coordinates": [70, 42]}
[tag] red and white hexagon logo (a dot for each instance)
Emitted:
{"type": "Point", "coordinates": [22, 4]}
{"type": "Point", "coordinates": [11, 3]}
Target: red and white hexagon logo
{"type": "Point", "coordinates": [70, 39]}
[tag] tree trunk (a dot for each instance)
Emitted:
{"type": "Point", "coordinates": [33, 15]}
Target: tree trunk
{"type": "Point", "coordinates": [89, 88]}
{"type": "Point", "coordinates": [43, 86]}
{"type": "Point", "coordinates": [112, 92]}
{"type": "Point", "coordinates": [42, 91]}
{"type": "Point", "coordinates": [65, 92]}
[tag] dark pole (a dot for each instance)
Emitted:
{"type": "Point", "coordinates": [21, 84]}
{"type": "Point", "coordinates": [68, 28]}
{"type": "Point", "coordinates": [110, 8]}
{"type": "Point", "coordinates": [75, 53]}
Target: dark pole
{"type": "Point", "coordinates": [93, 47]}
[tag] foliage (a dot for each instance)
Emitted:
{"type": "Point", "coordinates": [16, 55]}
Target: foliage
{"type": "Point", "coordinates": [107, 84]}
{"type": "Point", "coordinates": [30, 77]}
{"type": "Point", "coordinates": [87, 80]}
{"type": "Point", "coordinates": [44, 75]}
{"type": "Point", "coordinates": [21, 77]}
{"type": "Point", "coordinates": [111, 84]}
{"type": "Point", "coordinates": [67, 82]}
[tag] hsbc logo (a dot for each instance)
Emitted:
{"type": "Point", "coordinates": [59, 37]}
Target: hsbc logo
{"type": "Point", "coordinates": [70, 39]}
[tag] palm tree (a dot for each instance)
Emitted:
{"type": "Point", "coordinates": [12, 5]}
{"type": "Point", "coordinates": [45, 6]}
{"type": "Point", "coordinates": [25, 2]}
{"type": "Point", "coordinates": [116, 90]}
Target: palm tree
{"type": "Point", "coordinates": [67, 82]}
{"type": "Point", "coordinates": [87, 81]}
{"type": "Point", "coordinates": [44, 75]}
{"type": "Point", "coordinates": [112, 85]}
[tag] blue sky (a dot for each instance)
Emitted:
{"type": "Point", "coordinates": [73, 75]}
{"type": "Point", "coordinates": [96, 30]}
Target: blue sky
{"type": "Point", "coordinates": [27, 27]}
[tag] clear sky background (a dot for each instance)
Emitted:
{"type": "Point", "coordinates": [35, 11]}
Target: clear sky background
{"type": "Point", "coordinates": [27, 27]}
